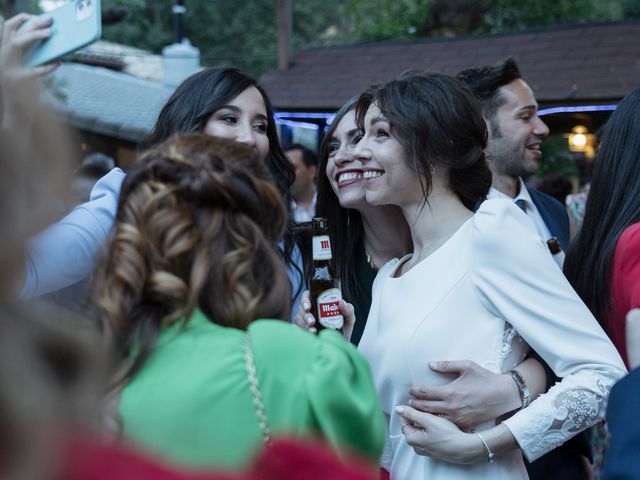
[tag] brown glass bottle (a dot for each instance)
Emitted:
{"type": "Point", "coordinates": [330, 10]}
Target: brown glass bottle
{"type": "Point", "coordinates": [323, 284]}
{"type": "Point", "coordinates": [556, 250]}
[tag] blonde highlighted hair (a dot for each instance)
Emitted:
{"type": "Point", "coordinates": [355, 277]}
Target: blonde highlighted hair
{"type": "Point", "coordinates": [197, 227]}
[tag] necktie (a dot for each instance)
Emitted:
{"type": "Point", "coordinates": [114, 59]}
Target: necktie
{"type": "Point", "coordinates": [522, 204]}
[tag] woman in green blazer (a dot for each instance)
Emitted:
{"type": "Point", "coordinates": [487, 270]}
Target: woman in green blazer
{"type": "Point", "coordinates": [192, 266]}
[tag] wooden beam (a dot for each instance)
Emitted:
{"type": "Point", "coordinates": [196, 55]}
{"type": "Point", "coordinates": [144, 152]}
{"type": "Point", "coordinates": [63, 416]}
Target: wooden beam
{"type": "Point", "coordinates": [285, 32]}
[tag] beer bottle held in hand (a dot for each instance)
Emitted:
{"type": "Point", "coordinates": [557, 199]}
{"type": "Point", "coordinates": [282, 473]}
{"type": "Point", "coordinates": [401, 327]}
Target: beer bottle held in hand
{"type": "Point", "coordinates": [325, 296]}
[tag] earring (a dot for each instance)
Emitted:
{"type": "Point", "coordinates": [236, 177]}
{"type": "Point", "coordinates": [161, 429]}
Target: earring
{"type": "Point", "coordinates": [348, 217]}
{"type": "Point", "coordinates": [432, 169]}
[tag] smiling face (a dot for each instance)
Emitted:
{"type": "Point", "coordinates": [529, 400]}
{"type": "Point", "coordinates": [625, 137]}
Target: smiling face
{"type": "Point", "coordinates": [516, 132]}
{"type": "Point", "coordinates": [344, 172]}
{"type": "Point", "coordinates": [244, 120]}
{"type": "Point", "coordinates": [389, 179]}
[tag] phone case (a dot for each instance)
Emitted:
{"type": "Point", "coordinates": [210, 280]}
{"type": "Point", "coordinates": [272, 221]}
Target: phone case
{"type": "Point", "coordinates": [75, 25]}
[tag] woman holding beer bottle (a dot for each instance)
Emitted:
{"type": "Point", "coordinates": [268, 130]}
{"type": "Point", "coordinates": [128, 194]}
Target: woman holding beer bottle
{"type": "Point", "coordinates": [364, 237]}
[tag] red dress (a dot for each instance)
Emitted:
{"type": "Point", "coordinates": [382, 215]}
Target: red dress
{"type": "Point", "coordinates": [87, 459]}
{"type": "Point", "coordinates": [625, 286]}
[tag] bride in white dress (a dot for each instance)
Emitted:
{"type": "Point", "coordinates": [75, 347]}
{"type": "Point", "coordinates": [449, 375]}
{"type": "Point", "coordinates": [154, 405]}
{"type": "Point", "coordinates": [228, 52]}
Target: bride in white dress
{"type": "Point", "coordinates": [423, 142]}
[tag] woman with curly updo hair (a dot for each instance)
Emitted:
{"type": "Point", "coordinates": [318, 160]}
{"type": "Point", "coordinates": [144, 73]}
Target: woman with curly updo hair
{"type": "Point", "coordinates": [192, 266]}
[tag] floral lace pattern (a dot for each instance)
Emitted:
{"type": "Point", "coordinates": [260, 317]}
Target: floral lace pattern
{"type": "Point", "coordinates": [569, 407]}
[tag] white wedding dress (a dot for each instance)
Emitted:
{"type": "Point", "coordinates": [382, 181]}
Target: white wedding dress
{"type": "Point", "coordinates": [491, 291]}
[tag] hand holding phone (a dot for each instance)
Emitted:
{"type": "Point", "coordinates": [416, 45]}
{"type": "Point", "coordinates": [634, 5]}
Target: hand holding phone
{"type": "Point", "coordinates": [19, 34]}
{"type": "Point", "coordinates": [73, 26]}
{"type": "Point", "coordinates": [15, 85]}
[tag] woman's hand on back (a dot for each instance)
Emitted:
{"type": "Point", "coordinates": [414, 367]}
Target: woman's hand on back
{"type": "Point", "coordinates": [305, 319]}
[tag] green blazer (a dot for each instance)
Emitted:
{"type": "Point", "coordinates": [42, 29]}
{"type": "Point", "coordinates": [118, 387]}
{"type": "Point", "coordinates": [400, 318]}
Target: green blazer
{"type": "Point", "coordinates": [191, 402]}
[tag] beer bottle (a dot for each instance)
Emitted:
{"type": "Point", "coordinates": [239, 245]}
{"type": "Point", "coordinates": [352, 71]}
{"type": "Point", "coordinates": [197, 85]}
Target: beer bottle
{"type": "Point", "coordinates": [325, 296]}
{"type": "Point", "coordinates": [556, 250]}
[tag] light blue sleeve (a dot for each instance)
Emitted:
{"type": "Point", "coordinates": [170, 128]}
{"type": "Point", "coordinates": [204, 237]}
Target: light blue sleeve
{"type": "Point", "coordinates": [65, 253]}
{"type": "Point", "coordinates": [298, 282]}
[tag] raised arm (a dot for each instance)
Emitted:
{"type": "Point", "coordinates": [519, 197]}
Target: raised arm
{"type": "Point", "coordinates": [65, 253]}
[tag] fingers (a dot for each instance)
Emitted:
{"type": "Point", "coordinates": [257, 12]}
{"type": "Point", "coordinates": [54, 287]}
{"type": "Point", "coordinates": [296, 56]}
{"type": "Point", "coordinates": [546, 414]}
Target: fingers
{"type": "Point", "coordinates": [451, 366]}
{"type": "Point", "coordinates": [633, 337]}
{"type": "Point", "coordinates": [411, 416]}
{"type": "Point", "coordinates": [303, 318]}
{"type": "Point", "coordinates": [431, 392]}
{"type": "Point", "coordinates": [14, 23]}
{"type": "Point", "coordinates": [429, 406]}
{"type": "Point", "coordinates": [305, 301]}
{"type": "Point", "coordinates": [22, 40]}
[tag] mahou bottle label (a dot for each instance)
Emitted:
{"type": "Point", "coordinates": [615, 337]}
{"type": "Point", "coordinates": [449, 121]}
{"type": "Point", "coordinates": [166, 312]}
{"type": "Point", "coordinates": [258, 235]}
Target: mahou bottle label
{"type": "Point", "coordinates": [329, 310]}
{"type": "Point", "coordinates": [321, 248]}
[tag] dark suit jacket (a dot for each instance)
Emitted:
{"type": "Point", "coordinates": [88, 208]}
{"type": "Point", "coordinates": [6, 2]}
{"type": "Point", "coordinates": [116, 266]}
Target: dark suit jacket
{"type": "Point", "coordinates": [554, 215]}
{"type": "Point", "coordinates": [623, 421]}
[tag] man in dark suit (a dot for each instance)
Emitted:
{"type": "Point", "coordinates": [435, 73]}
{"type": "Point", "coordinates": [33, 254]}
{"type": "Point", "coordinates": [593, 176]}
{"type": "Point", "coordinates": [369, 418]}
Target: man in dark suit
{"type": "Point", "coordinates": [513, 151]}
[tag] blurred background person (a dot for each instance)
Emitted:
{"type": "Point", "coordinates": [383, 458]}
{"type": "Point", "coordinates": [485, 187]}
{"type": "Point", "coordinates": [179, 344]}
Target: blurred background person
{"type": "Point", "coordinates": [556, 186]}
{"type": "Point", "coordinates": [94, 166]}
{"type": "Point", "coordinates": [303, 189]}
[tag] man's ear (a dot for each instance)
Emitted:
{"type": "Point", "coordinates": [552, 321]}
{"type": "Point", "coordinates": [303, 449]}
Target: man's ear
{"type": "Point", "coordinates": [313, 169]}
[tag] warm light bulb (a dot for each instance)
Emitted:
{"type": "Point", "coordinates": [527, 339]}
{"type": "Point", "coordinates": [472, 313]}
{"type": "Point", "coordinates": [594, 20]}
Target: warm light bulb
{"type": "Point", "coordinates": [579, 139]}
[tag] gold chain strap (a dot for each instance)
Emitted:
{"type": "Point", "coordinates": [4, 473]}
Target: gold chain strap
{"type": "Point", "coordinates": [255, 390]}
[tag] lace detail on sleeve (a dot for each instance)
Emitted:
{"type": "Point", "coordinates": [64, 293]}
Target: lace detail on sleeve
{"type": "Point", "coordinates": [577, 402]}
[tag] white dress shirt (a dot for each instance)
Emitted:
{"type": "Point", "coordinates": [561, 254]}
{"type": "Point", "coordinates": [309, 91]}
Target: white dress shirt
{"type": "Point", "coordinates": [532, 212]}
{"type": "Point", "coordinates": [301, 214]}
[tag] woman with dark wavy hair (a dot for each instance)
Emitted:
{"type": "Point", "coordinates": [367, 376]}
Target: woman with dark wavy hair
{"type": "Point", "coordinates": [220, 102]}
{"type": "Point", "coordinates": [422, 146]}
{"type": "Point", "coordinates": [192, 265]}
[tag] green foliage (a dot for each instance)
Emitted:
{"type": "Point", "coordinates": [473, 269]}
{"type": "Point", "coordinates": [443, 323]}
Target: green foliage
{"type": "Point", "coordinates": [244, 32]}
{"type": "Point", "coordinates": [386, 19]}
{"type": "Point", "coordinates": [515, 15]}
{"type": "Point", "coordinates": [241, 33]}
{"type": "Point", "coordinates": [630, 9]}
{"type": "Point", "coordinates": [556, 158]}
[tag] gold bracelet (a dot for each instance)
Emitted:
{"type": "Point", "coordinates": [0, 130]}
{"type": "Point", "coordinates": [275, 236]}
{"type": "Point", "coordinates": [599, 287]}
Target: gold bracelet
{"type": "Point", "coordinates": [490, 455]}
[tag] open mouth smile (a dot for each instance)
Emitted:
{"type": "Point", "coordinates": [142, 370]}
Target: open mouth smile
{"type": "Point", "coordinates": [349, 177]}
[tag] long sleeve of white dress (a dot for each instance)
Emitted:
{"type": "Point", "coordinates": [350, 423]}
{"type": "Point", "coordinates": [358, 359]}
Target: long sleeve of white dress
{"type": "Point", "coordinates": [517, 279]}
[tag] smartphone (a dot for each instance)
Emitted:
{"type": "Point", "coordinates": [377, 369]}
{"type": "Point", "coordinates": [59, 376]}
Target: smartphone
{"type": "Point", "coordinates": [75, 25]}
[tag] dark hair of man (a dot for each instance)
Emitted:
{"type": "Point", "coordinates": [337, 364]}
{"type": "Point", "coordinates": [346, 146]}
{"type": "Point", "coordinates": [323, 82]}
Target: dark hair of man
{"type": "Point", "coordinates": [613, 205]}
{"type": "Point", "coordinates": [485, 83]}
{"type": "Point", "coordinates": [197, 224]}
{"type": "Point", "coordinates": [309, 157]}
{"type": "Point", "coordinates": [439, 124]}
{"type": "Point", "coordinates": [344, 225]}
{"type": "Point", "coordinates": [203, 93]}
